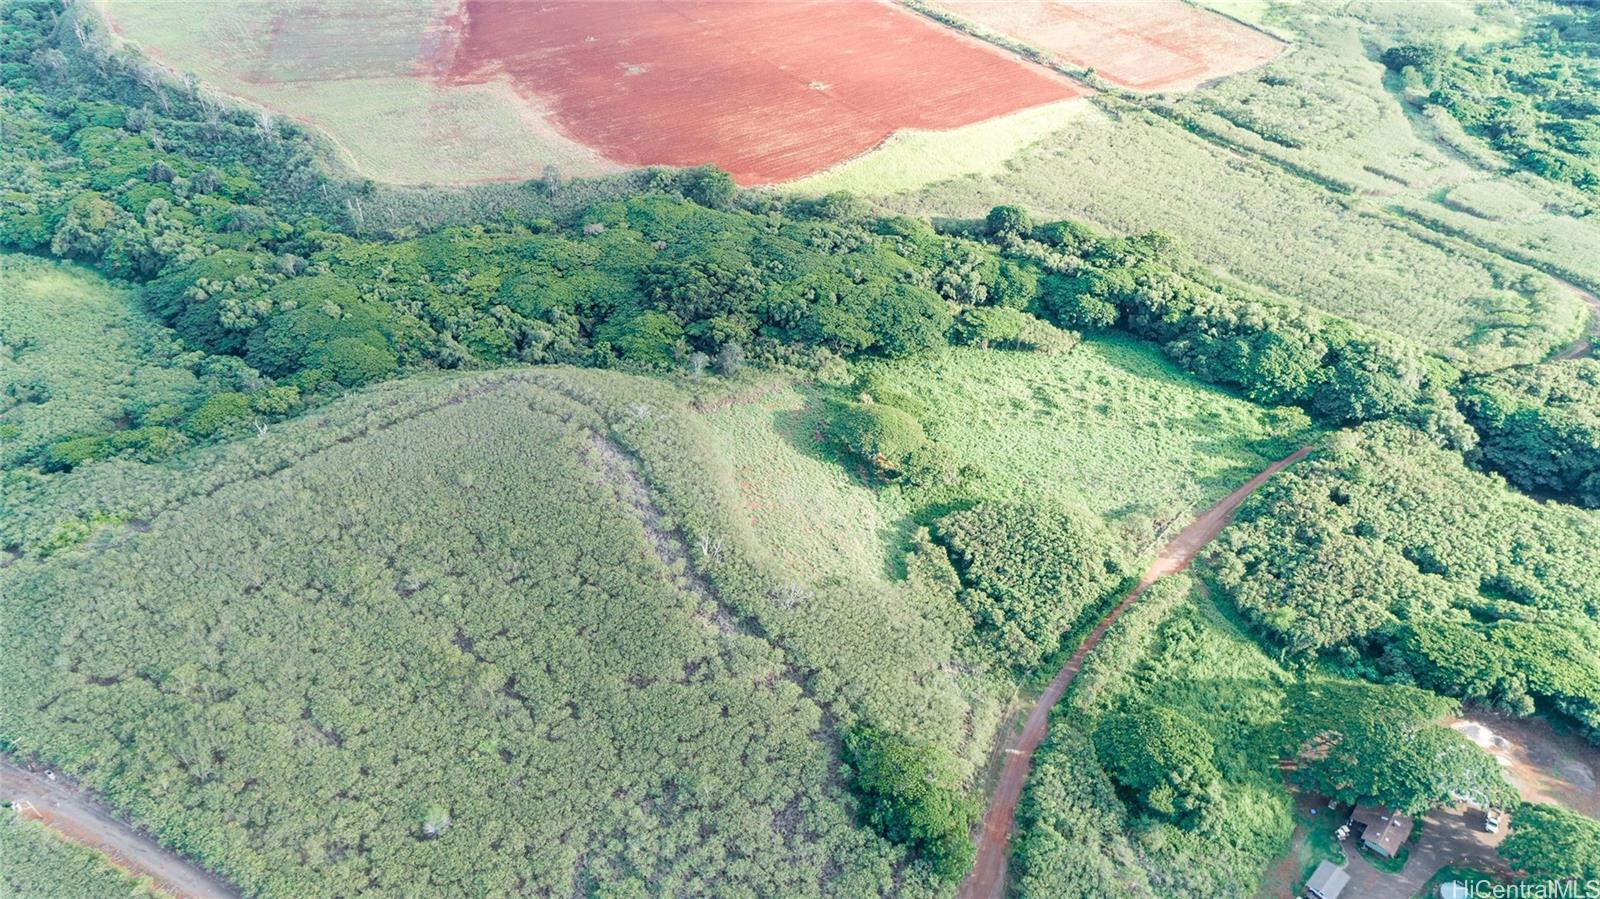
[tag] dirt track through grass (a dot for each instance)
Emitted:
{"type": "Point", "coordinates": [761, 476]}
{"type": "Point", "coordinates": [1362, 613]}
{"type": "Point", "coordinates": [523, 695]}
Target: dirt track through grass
{"type": "Point", "coordinates": [988, 877]}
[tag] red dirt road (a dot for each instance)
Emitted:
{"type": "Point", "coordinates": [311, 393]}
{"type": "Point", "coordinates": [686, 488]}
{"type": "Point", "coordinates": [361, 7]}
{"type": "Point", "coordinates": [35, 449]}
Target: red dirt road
{"type": "Point", "coordinates": [1147, 45]}
{"type": "Point", "coordinates": [769, 91]}
{"type": "Point", "coordinates": [988, 877]}
{"type": "Point", "coordinates": [72, 813]}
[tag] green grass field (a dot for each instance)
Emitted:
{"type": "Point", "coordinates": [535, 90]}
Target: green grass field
{"type": "Point", "coordinates": [77, 356]}
{"type": "Point", "coordinates": [1112, 426]}
{"type": "Point", "coordinates": [1272, 229]}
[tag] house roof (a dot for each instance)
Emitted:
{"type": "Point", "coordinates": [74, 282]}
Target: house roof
{"type": "Point", "coordinates": [1386, 829]}
{"type": "Point", "coordinates": [1328, 881]}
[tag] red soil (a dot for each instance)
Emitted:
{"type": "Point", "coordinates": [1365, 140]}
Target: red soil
{"type": "Point", "coordinates": [769, 91]}
{"type": "Point", "coordinates": [1138, 44]}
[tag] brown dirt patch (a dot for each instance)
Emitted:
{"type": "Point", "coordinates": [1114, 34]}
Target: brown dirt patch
{"type": "Point", "coordinates": [1544, 764]}
{"type": "Point", "coordinates": [768, 91]}
{"type": "Point", "coordinates": [1150, 45]}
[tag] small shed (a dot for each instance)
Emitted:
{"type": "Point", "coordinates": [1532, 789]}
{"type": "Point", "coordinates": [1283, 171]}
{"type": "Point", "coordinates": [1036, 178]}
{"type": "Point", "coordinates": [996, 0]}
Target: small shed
{"type": "Point", "coordinates": [1383, 830]}
{"type": "Point", "coordinates": [1327, 882]}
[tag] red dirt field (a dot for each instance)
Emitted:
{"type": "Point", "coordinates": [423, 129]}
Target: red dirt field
{"type": "Point", "coordinates": [769, 91]}
{"type": "Point", "coordinates": [1146, 45]}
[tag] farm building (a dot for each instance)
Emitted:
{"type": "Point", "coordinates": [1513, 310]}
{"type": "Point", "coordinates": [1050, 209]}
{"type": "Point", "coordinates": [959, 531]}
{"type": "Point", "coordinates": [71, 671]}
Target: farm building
{"type": "Point", "coordinates": [1382, 830]}
{"type": "Point", "coordinates": [1327, 882]}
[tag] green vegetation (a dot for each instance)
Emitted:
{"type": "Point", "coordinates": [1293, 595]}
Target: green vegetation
{"type": "Point", "coordinates": [39, 864]}
{"type": "Point", "coordinates": [913, 794]}
{"type": "Point", "coordinates": [1023, 575]}
{"type": "Point", "coordinates": [1217, 702]}
{"type": "Point", "coordinates": [1276, 231]}
{"type": "Point", "coordinates": [1549, 843]}
{"type": "Point", "coordinates": [1540, 427]}
{"type": "Point", "coordinates": [1094, 427]}
{"type": "Point", "coordinates": [1362, 744]}
{"type": "Point", "coordinates": [1166, 759]}
{"type": "Point", "coordinates": [614, 663]}
{"type": "Point", "coordinates": [1180, 789]}
{"type": "Point", "coordinates": [1536, 98]}
{"type": "Point", "coordinates": [77, 356]}
{"type": "Point", "coordinates": [1393, 559]}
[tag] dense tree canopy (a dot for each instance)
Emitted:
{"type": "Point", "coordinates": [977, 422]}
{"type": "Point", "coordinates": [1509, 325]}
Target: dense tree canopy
{"type": "Point", "coordinates": [1027, 575]}
{"type": "Point", "coordinates": [1165, 759]}
{"type": "Point", "coordinates": [1540, 427]}
{"type": "Point", "coordinates": [1389, 555]}
{"type": "Point", "coordinates": [1552, 843]}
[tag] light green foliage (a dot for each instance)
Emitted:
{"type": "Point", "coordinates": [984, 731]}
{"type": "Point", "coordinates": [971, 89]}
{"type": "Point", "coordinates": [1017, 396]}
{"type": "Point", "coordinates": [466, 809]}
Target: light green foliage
{"type": "Point", "coordinates": [1027, 574]}
{"type": "Point", "coordinates": [39, 864]}
{"type": "Point", "coordinates": [1111, 425]}
{"type": "Point", "coordinates": [77, 357]}
{"type": "Point", "coordinates": [1551, 843]}
{"type": "Point", "coordinates": [1384, 535]}
{"type": "Point", "coordinates": [1272, 229]}
{"type": "Point", "coordinates": [443, 619]}
{"type": "Point", "coordinates": [878, 436]}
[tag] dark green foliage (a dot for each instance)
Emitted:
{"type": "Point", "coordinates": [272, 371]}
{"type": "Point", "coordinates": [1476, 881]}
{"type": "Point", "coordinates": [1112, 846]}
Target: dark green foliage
{"type": "Point", "coordinates": [1163, 758]}
{"type": "Point", "coordinates": [1007, 221]}
{"type": "Point", "coordinates": [1385, 546]}
{"type": "Point", "coordinates": [1540, 427]}
{"type": "Point", "coordinates": [1028, 574]}
{"type": "Point", "coordinates": [1365, 744]}
{"type": "Point", "coordinates": [1549, 843]}
{"type": "Point", "coordinates": [1002, 327]}
{"type": "Point", "coordinates": [1072, 840]}
{"type": "Point", "coordinates": [1273, 353]}
{"type": "Point", "coordinates": [911, 793]}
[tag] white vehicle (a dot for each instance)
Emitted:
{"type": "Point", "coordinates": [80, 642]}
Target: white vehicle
{"type": "Point", "coordinates": [1491, 820]}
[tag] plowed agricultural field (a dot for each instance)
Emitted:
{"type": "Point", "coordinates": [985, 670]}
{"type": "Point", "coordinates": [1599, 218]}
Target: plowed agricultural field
{"type": "Point", "coordinates": [1149, 45]}
{"type": "Point", "coordinates": [769, 91]}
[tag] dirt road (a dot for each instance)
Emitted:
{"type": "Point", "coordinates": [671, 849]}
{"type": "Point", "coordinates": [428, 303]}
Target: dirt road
{"type": "Point", "coordinates": [988, 877]}
{"type": "Point", "coordinates": [1585, 344]}
{"type": "Point", "coordinates": [72, 813]}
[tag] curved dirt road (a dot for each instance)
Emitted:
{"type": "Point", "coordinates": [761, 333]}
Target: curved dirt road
{"type": "Point", "coordinates": [988, 877]}
{"type": "Point", "coordinates": [72, 813]}
{"type": "Point", "coordinates": [1585, 344]}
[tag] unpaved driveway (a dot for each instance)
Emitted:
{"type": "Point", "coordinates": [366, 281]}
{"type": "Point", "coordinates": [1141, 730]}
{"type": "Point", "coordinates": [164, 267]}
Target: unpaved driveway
{"type": "Point", "coordinates": [1544, 764]}
{"type": "Point", "coordinates": [988, 877]}
{"type": "Point", "coordinates": [73, 814]}
{"type": "Point", "coordinates": [1449, 837]}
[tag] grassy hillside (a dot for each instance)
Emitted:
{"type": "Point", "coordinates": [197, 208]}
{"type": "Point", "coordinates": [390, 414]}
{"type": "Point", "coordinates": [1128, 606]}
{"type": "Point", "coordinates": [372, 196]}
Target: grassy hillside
{"type": "Point", "coordinates": [39, 864]}
{"type": "Point", "coordinates": [76, 355]}
{"type": "Point", "coordinates": [1112, 426]}
{"type": "Point", "coordinates": [1274, 230]}
{"type": "Point", "coordinates": [442, 634]}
